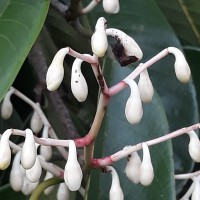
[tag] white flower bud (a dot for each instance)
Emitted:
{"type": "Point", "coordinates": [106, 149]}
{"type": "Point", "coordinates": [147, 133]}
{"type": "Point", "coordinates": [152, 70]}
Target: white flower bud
{"type": "Point", "coordinates": [99, 40]}
{"type": "Point", "coordinates": [73, 174]}
{"type": "Point", "coordinates": [116, 192]}
{"type": "Point", "coordinates": [55, 72]}
{"type": "Point", "coordinates": [182, 69]}
{"type": "Point", "coordinates": [126, 49]}
{"type": "Point", "coordinates": [29, 153]}
{"type": "Point", "coordinates": [78, 83]}
{"type": "Point", "coordinates": [132, 169]}
{"type": "Point", "coordinates": [145, 87]}
{"type": "Point", "coordinates": [7, 107]}
{"type": "Point", "coordinates": [45, 151]}
{"type": "Point", "coordinates": [196, 191]}
{"type": "Point", "coordinates": [48, 190]}
{"type": "Point", "coordinates": [63, 192]}
{"type": "Point", "coordinates": [111, 6]}
{"type": "Point", "coordinates": [28, 186]}
{"type": "Point", "coordinates": [133, 109]}
{"type": "Point", "coordinates": [36, 123]}
{"type": "Point", "coordinates": [194, 146]}
{"type": "Point", "coordinates": [146, 168]}
{"type": "Point", "coordinates": [33, 174]}
{"type": "Point", "coordinates": [5, 152]}
{"type": "Point", "coordinates": [17, 171]}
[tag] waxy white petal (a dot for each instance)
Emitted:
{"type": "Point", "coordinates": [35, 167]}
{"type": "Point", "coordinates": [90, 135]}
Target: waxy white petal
{"type": "Point", "coordinates": [28, 186]}
{"type": "Point", "coordinates": [36, 123]}
{"type": "Point", "coordinates": [111, 6]}
{"type": "Point", "coordinates": [196, 191]}
{"type": "Point", "coordinates": [48, 190]}
{"type": "Point", "coordinates": [63, 192]}
{"type": "Point", "coordinates": [6, 106]}
{"type": "Point", "coordinates": [78, 83]}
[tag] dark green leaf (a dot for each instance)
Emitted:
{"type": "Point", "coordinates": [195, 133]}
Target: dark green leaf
{"type": "Point", "coordinates": [20, 23]}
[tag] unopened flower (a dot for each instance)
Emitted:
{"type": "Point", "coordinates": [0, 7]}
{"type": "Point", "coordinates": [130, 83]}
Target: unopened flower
{"type": "Point", "coordinates": [111, 6]}
{"type": "Point", "coordinates": [126, 50]}
{"type": "Point", "coordinates": [196, 191]}
{"type": "Point", "coordinates": [182, 69]}
{"type": "Point", "coordinates": [145, 87]}
{"type": "Point", "coordinates": [146, 168]}
{"type": "Point", "coordinates": [63, 192]}
{"type": "Point", "coordinates": [194, 146]}
{"type": "Point", "coordinates": [99, 40]}
{"type": "Point", "coordinates": [29, 153]}
{"type": "Point", "coordinates": [132, 169]}
{"type": "Point", "coordinates": [78, 83]}
{"type": "Point", "coordinates": [17, 174]}
{"type": "Point", "coordinates": [133, 109]}
{"type": "Point", "coordinates": [33, 174]}
{"type": "Point", "coordinates": [73, 174]}
{"type": "Point", "coordinates": [7, 107]}
{"type": "Point", "coordinates": [55, 71]}
{"type": "Point", "coordinates": [48, 190]}
{"type": "Point", "coordinates": [116, 192]}
{"type": "Point", "coordinates": [36, 123]}
{"type": "Point", "coordinates": [5, 152]}
{"type": "Point", "coordinates": [28, 187]}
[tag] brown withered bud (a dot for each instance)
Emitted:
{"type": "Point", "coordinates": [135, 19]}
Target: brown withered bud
{"type": "Point", "coordinates": [119, 52]}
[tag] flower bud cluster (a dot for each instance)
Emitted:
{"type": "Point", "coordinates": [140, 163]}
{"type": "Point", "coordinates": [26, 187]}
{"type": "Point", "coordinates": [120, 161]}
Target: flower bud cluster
{"type": "Point", "coordinates": [140, 171]}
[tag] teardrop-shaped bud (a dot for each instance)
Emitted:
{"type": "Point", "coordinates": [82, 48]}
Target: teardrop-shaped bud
{"type": "Point", "coordinates": [133, 109]}
{"type": "Point", "coordinates": [17, 174]}
{"type": "Point", "coordinates": [6, 106]}
{"type": "Point", "coordinates": [55, 71]}
{"type": "Point", "coordinates": [29, 153]}
{"type": "Point", "coordinates": [99, 41]}
{"type": "Point", "coordinates": [73, 174]}
{"type": "Point", "coordinates": [28, 186]}
{"type": "Point", "coordinates": [196, 191]}
{"type": "Point", "coordinates": [132, 169]}
{"type": "Point", "coordinates": [116, 192]}
{"type": "Point", "coordinates": [145, 87]}
{"type": "Point", "coordinates": [146, 168]}
{"type": "Point", "coordinates": [63, 192]}
{"type": "Point", "coordinates": [182, 69]}
{"type": "Point", "coordinates": [111, 6]}
{"type": "Point", "coordinates": [36, 123]}
{"type": "Point", "coordinates": [5, 152]}
{"type": "Point", "coordinates": [48, 190]}
{"type": "Point", "coordinates": [126, 50]}
{"type": "Point", "coordinates": [78, 83]}
{"type": "Point", "coordinates": [34, 173]}
{"type": "Point", "coordinates": [194, 146]}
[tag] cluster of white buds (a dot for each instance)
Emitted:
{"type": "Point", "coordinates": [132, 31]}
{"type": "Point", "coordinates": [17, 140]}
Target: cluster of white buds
{"type": "Point", "coordinates": [111, 6]}
{"type": "Point", "coordinates": [116, 192]}
{"type": "Point", "coordinates": [140, 171]}
{"type": "Point", "coordinates": [194, 146]}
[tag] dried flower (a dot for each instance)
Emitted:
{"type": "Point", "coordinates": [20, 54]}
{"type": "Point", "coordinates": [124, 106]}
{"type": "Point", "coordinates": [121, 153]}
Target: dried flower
{"type": "Point", "coordinates": [126, 50]}
{"type": "Point", "coordinates": [146, 168]}
{"type": "Point", "coordinates": [99, 40]}
{"type": "Point", "coordinates": [29, 153]}
{"type": "Point", "coordinates": [73, 174]}
{"type": "Point", "coordinates": [111, 6]}
{"type": "Point", "coordinates": [132, 169]}
{"type": "Point", "coordinates": [63, 192]}
{"type": "Point", "coordinates": [181, 66]}
{"type": "Point", "coordinates": [194, 146]}
{"type": "Point", "coordinates": [5, 152]}
{"type": "Point", "coordinates": [116, 192]}
{"type": "Point", "coordinates": [55, 72]}
{"type": "Point", "coordinates": [145, 87]}
{"type": "Point", "coordinates": [133, 109]}
{"type": "Point", "coordinates": [78, 83]}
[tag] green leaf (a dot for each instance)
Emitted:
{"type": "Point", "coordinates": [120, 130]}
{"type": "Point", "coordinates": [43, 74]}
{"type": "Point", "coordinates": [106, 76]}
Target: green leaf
{"type": "Point", "coordinates": [144, 22]}
{"type": "Point", "coordinates": [183, 15]}
{"type": "Point", "coordinates": [20, 22]}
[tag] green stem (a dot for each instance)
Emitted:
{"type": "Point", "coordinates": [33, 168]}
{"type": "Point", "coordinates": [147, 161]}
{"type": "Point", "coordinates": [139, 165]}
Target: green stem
{"type": "Point", "coordinates": [42, 186]}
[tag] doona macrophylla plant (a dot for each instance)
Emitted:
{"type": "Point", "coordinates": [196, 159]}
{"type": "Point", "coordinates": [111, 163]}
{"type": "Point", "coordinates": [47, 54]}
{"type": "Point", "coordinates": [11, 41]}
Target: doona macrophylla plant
{"type": "Point", "coordinates": [29, 163]}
